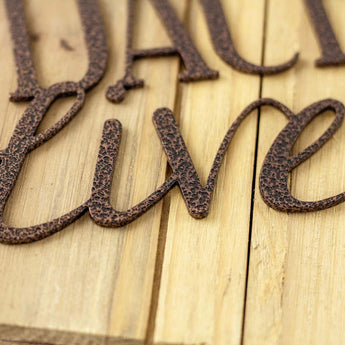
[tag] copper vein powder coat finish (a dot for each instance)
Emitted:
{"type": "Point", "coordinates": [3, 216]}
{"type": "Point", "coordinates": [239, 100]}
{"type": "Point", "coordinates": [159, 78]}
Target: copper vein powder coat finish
{"type": "Point", "coordinates": [224, 46]}
{"type": "Point", "coordinates": [24, 138]}
{"type": "Point", "coordinates": [196, 68]}
{"type": "Point", "coordinates": [278, 162]}
{"type": "Point", "coordinates": [332, 54]}
{"type": "Point", "coordinates": [273, 178]}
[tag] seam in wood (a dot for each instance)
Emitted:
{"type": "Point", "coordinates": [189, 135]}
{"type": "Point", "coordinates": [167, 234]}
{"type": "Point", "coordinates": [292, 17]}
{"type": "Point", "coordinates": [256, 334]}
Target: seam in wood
{"type": "Point", "coordinates": [151, 325]}
{"type": "Point", "coordinates": [263, 46]}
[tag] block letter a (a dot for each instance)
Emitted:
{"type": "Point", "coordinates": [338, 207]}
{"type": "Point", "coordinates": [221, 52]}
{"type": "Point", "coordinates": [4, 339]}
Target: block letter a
{"type": "Point", "coordinates": [196, 68]}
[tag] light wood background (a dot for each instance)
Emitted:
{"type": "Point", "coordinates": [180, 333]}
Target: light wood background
{"type": "Point", "coordinates": [244, 275]}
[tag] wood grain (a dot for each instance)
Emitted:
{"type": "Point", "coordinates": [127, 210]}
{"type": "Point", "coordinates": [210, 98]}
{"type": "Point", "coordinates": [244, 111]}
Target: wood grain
{"type": "Point", "coordinates": [86, 278]}
{"type": "Point", "coordinates": [296, 278]}
{"type": "Point", "coordinates": [204, 273]}
{"type": "Point", "coordinates": [168, 278]}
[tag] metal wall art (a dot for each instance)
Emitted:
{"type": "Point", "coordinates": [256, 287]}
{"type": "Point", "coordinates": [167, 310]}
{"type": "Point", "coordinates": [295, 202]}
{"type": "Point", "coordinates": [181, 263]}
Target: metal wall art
{"type": "Point", "coordinates": [278, 162]}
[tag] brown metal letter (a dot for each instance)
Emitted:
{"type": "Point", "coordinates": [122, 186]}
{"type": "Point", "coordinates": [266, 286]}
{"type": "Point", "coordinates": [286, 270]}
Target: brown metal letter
{"type": "Point", "coordinates": [197, 197]}
{"type": "Point", "coordinates": [224, 46]}
{"type": "Point", "coordinates": [24, 138]}
{"type": "Point", "coordinates": [278, 162]}
{"type": "Point", "coordinates": [332, 54]}
{"type": "Point", "coordinates": [100, 207]}
{"type": "Point", "coordinates": [196, 68]}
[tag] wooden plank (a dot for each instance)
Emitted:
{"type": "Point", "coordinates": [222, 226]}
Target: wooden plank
{"type": "Point", "coordinates": [296, 278]}
{"type": "Point", "coordinates": [85, 279]}
{"type": "Point", "coordinates": [204, 271]}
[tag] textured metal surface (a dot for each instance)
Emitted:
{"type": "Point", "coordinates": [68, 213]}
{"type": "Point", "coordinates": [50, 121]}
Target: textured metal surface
{"type": "Point", "coordinates": [332, 54]}
{"type": "Point", "coordinates": [196, 68]}
{"type": "Point", "coordinates": [273, 179]}
{"type": "Point", "coordinates": [276, 167]}
{"type": "Point", "coordinates": [224, 46]}
{"type": "Point", "coordinates": [278, 162]}
{"type": "Point", "coordinates": [197, 197]}
{"type": "Point", "coordinates": [23, 139]}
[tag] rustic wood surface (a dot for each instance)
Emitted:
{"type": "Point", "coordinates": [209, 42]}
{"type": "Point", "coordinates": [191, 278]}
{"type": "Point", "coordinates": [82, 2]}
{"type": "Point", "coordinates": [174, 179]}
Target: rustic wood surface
{"type": "Point", "coordinates": [246, 274]}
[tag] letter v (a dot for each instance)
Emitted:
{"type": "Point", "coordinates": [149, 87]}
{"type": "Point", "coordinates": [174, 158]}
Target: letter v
{"type": "Point", "coordinates": [197, 197]}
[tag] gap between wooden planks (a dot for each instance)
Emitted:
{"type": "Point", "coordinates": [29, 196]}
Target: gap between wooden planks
{"type": "Point", "coordinates": [99, 281]}
{"type": "Point", "coordinates": [296, 279]}
{"type": "Point", "coordinates": [86, 279]}
{"type": "Point", "coordinates": [93, 282]}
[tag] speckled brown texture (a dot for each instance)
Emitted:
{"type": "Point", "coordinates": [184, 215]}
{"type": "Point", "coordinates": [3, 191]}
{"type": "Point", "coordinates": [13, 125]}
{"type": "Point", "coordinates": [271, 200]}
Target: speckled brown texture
{"type": "Point", "coordinates": [100, 208]}
{"type": "Point", "coordinates": [27, 79]}
{"type": "Point", "coordinates": [273, 178]}
{"type": "Point", "coordinates": [196, 68]}
{"type": "Point", "coordinates": [184, 175]}
{"type": "Point", "coordinates": [332, 54]}
{"type": "Point", "coordinates": [224, 46]}
{"type": "Point", "coordinates": [24, 138]}
{"type": "Point", "coordinates": [278, 162]}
